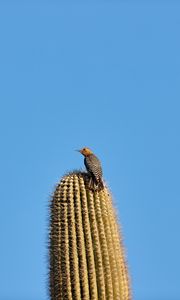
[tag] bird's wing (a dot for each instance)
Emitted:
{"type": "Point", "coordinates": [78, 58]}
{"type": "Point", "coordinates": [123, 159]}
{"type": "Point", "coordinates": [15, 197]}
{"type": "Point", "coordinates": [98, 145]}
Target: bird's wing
{"type": "Point", "coordinates": [93, 166]}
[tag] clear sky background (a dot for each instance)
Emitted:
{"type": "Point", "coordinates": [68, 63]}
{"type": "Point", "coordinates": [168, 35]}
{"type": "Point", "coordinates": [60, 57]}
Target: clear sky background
{"type": "Point", "coordinates": [103, 74]}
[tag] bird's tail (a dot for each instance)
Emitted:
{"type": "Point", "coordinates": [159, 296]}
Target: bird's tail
{"type": "Point", "coordinates": [99, 185]}
{"type": "Point", "coordinates": [95, 185]}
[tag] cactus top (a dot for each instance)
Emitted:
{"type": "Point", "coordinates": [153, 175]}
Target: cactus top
{"type": "Point", "coordinates": [86, 254]}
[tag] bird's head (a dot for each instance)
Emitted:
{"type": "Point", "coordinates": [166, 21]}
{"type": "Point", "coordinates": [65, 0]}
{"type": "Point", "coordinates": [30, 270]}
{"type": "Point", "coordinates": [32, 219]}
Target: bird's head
{"type": "Point", "coordinates": [85, 151]}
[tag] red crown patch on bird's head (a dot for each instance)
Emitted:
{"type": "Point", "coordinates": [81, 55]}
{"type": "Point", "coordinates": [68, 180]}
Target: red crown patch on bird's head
{"type": "Point", "coordinates": [85, 151]}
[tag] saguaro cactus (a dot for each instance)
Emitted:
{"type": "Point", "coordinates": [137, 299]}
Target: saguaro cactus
{"type": "Point", "coordinates": [85, 250]}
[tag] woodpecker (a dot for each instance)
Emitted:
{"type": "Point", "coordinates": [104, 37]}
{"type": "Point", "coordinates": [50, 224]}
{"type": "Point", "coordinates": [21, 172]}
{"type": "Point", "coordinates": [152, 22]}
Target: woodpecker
{"type": "Point", "coordinates": [93, 166]}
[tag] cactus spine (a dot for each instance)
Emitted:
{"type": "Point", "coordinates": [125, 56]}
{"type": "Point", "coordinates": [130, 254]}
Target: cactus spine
{"type": "Point", "coordinates": [86, 254]}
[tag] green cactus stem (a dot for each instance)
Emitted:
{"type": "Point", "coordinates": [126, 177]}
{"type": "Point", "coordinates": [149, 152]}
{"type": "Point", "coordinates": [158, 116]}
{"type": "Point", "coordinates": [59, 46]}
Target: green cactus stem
{"type": "Point", "coordinates": [85, 251]}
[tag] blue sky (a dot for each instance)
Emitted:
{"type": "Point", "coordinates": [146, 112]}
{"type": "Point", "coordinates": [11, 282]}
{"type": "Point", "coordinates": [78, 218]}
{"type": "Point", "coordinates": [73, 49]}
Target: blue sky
{"type": "Point", "coordinates": [103, 74]}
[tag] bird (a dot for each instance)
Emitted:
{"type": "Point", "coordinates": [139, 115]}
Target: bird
{"type": "Point", "coordinates": [94, 168]}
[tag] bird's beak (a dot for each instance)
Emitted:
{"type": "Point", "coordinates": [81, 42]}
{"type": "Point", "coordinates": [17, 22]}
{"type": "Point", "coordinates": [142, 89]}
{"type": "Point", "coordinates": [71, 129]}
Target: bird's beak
{"type": "Point", "coordinates": [78, 150]}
